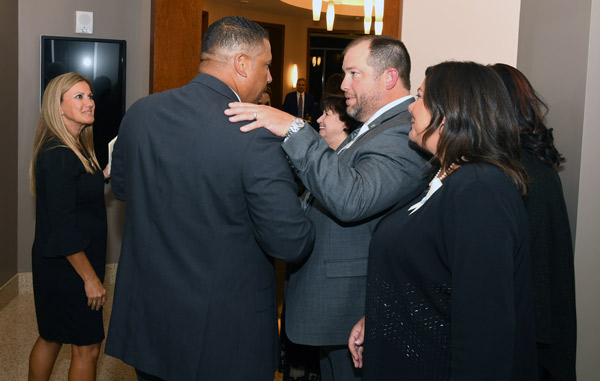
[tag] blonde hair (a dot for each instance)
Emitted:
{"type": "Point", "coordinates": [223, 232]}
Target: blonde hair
{"type": "Point", "coordinates": [50, 127]}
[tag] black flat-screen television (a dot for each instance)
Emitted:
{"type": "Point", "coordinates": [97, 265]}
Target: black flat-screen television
{"type": "Point", "coordinates": [103, 62]}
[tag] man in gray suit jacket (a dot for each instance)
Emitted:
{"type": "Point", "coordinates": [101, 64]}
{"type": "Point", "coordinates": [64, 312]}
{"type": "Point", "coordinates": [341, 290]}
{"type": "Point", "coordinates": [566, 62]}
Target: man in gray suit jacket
{"type": "Point", "coordinates": [352, 189]}
{"type": "Point", "coordinates": [208, 207]}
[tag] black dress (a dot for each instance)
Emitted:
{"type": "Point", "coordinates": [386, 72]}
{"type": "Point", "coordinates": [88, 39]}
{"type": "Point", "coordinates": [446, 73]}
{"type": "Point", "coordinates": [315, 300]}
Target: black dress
{"type": "Point", "coordinates": [553, 270]}
{"type": "Point", "coordinates": [449, 294]}
{"type": "Point", "coordinates": [70, 217]}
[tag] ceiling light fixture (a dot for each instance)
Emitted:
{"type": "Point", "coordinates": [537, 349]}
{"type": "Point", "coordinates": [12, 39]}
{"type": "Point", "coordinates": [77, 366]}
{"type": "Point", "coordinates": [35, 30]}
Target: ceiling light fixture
{"type": "Point", "coordinates": [330, 15]}
{"type": "Point", "coordinates": [355, 8]}
{"type": "Point", "coordinates": [316, 8]}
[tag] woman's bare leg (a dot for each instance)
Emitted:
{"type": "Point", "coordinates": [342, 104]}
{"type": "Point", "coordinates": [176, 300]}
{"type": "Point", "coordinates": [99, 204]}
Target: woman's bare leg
{"type": "Point", "coordinates": [83, 362]}
{"type": "Point", "coordinates": [42, 358]}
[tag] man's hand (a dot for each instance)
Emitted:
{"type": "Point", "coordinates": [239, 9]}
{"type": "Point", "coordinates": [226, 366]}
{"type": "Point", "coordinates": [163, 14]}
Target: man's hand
{"type": "Point", "coordinates": [356, 341]}
{"type": "Point", "coordinates": [274, 120]}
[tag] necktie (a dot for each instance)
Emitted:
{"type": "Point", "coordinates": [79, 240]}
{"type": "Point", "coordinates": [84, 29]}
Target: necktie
{"type": "Point", "coordinates": [354, 134]}
{"type": "Point", "coordinates": [301, 105]}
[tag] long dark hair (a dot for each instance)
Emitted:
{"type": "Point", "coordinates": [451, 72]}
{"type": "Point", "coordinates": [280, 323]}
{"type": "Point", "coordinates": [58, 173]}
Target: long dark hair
{"type": "Point", "coordinates": [470, 105]}
{"type": "Point", "coordinates": [536, 137]}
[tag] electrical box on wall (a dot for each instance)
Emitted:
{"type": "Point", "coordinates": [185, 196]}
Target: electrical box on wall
{"type": "Point", "coordinates": [84, 22]}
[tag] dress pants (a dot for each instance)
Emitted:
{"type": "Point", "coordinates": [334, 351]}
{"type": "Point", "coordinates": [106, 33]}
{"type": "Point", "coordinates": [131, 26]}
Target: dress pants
{"type": "Point", "coordinates": [336, 364]}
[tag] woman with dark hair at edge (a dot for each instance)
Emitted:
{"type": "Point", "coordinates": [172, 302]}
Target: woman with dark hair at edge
{"type": "Point", "coordinates": [449, 294]}
{"type": "Point", "coordinates": [549, 232]}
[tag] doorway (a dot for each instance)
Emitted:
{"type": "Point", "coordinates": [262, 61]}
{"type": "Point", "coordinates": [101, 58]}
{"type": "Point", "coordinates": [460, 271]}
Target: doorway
{"type": "Point", "coordinates": [325, 56]}
{"type": "Point", "coordinates": [277, 38]}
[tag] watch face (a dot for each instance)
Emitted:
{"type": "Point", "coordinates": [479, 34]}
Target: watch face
{"type": "Point", "coordinates": [299, 123]}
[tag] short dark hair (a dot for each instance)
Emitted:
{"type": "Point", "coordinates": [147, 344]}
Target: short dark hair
{"type": "Point", "coordinates": [479, 125]}
{"type": "Point", "coordinates": [234, 34]}
{"type": "Point", "coordinates": [337, 104]}
{"type": "Point", "coordinates": [386, 52]}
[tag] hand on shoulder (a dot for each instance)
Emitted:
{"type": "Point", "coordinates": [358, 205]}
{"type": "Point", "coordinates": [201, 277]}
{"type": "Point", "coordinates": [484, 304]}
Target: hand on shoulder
{"type": "Point", "coordinates": [276, 121]}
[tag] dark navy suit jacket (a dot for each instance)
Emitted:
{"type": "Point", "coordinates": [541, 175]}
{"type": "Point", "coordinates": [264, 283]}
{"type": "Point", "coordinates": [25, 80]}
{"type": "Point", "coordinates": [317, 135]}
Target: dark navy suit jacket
{"type": "Point", "coordinates": [207, 209]}
{"type": "Point", "coordinates": [290, 105]}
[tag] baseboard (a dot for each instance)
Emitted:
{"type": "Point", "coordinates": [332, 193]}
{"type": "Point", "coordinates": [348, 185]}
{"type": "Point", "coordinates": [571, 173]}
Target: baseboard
{"type": "Point", "coordinates": [9, 291]}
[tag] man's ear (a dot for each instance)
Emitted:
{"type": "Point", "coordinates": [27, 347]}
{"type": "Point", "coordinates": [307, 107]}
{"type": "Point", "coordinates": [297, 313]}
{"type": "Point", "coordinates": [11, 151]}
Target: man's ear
{"type": "Point", "coordinates": [241, 62]}
{"type": "Point", "coordinates": [391, 78]}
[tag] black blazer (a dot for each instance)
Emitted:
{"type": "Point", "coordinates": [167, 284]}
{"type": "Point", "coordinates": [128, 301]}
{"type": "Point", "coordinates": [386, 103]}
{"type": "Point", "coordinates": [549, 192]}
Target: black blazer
{"type": "Point", "coordinates": [207, 207]}
{"type": "Point", "coordinates": [290, 105]}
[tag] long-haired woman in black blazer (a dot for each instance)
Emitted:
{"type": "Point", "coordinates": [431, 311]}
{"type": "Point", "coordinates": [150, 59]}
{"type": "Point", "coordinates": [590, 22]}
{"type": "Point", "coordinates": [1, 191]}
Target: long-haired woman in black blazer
{"type": "Point", "coordinates": [449, 293]}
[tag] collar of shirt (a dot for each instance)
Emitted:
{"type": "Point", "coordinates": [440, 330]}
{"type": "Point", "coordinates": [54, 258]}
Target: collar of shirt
{"type": "Point", "coordinates": [365, 126]}
{"type": "Point", "coordinates": [236, 94]}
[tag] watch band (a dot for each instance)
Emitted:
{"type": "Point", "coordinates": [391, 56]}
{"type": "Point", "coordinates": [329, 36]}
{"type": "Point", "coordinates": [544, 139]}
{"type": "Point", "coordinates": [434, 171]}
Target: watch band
{"type": "Point", "coordinates": [297, 125]}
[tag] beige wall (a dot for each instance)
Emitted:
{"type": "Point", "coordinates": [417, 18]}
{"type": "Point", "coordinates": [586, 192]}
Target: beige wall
{"type": "Point", "coordinates": [587, 258]}
{"type": "Point", "coordinates": [295, 34]}
{"type": "Point", "coordinates": [553, 52]}
{"type": "Point", "coordinates": [114, 19]}
{"type": "Point", "coordinates": [558, 51]}
{"type": "Point", "coordinates": [439, 30]}
{"type": "Point", "coordinates": [8, 143]}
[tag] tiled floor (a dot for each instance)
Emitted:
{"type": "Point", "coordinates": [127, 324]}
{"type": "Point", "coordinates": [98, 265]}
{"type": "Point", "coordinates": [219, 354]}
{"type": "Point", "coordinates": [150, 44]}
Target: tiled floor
{"type": "Point", "coordinates": [18, 332]}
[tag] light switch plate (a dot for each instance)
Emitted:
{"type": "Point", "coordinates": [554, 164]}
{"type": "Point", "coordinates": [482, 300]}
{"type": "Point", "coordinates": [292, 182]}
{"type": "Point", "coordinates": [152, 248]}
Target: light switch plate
{"type": "Point", "coordinates": [84, 22]}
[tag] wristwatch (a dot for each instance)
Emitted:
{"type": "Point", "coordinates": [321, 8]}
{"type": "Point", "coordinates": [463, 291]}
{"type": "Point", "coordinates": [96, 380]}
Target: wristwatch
{"type": "Point", "coordinates": [297, 125]}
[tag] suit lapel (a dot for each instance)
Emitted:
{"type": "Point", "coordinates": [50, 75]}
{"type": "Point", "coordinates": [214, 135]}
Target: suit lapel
{"type": "Point", "coordinates": [381, 119]}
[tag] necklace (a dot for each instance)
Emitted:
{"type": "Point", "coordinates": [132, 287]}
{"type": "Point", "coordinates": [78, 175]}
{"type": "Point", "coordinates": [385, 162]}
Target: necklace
{"type": "Point", "coordinates": [446, 172]}
{"type": "Point", "coordinates": [434, 185]}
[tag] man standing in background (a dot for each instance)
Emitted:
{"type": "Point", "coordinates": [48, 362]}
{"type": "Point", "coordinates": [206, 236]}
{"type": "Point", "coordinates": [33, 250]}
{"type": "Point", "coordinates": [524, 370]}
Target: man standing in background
{"type": "Point", "coordinates": [302, 104]}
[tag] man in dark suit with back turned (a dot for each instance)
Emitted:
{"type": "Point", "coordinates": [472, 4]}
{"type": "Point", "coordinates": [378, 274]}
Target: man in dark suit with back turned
{"type": "Point", "coordinates": [301, 104]}
{"type": "Point", "coordinates": [352, 187]}
{"type": "Point", "coordinates": [207, 209]}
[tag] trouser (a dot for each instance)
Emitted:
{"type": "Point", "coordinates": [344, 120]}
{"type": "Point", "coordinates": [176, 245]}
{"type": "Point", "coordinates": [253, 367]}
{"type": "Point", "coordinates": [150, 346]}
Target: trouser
{"type": "Point", "coordinates": [336, 364]}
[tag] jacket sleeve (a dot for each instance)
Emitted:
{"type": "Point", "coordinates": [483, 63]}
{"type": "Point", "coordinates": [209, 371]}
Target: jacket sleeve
{"type": "Point", "coordinates": [117, 166]}
{"type": "Point", "coordinates": [60, 168]}
{"type": "Point", "coordinates": [280, 226]}
{"type": "Point", "coordinates": [384, 170]}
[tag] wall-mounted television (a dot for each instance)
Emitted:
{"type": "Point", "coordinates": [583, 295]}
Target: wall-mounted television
{"type": "Point", "coordinates": [103, 62]}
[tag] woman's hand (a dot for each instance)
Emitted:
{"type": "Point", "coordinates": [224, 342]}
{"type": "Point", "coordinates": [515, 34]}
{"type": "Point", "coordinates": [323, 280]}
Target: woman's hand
{"type": "Point", "coordinates": [356, 341]}
{"type": "Point", "coordinates": [106, 172]}
{"type": "Point", "coordinates": [95, 292]}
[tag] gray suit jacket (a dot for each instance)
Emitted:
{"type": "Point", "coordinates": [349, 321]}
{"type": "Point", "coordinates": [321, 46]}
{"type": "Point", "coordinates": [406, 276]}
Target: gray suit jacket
{"type": "Point", "coordinates": [325, 295]}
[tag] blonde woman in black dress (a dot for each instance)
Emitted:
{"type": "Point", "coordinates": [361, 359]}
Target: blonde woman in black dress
{"type": "Point", "coordinates": [69, 250]}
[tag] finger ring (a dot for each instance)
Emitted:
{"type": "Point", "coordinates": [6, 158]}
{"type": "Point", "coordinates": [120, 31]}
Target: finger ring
{"type": "Point", "coordinates": [255, 116]}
